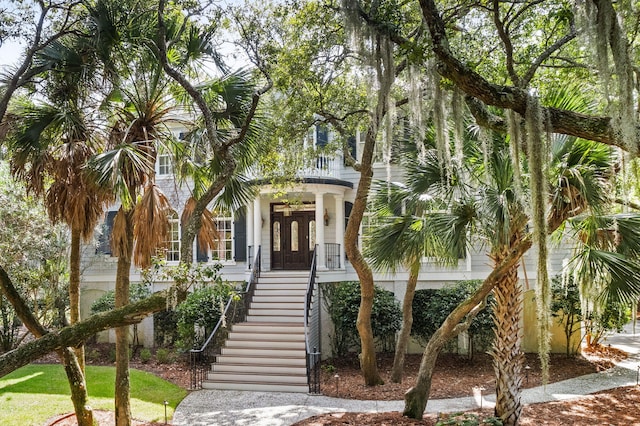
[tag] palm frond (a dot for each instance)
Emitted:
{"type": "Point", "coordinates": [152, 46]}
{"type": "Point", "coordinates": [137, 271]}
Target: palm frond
{"type": "Point", "coordinates": [151, 225]}
{"type": "Point", "coordinates": [122, 169]}
{"type": "Point", "coordinates": [208, 236]}
{"type": "Point", "coordinates": [607, 275]}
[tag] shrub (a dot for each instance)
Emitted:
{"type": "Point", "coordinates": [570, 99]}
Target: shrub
{"type": "Point", "coordinates": [343, 301]}
{"type": "Point", "coordinates": [608, 319]}
{"type": "Point", "coordinates": [198, 315]}
{"type": "Point", "coordinates": [567, 309]}
{"type": "Point", "coordinates": [163, 356]}
{"type": "Point", "coordinates": [145, 355]}
{"type": "Point", "coordinates": [165, 328]}
{"type": "Point", "coordinates": [431, 308]}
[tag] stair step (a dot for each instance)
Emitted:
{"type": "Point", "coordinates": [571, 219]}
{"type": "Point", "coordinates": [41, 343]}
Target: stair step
{"type": "Point", "coordinates": [262, 360]}
{"type": "Point", "coordinates": [258, 368]}
{"type": "Point", "coordinates": [280, 292]}
{"type": "Point", "coordinates": [284, 279]}
{"type": "Point", "coordinates": [252, 336]}
{"type": "Point", "coordinates": [293, 313]}
{"type": "Point", "coordinates": [279, 299]}
{"type": "Point", "coordinates": [278, 305]}
{"type": "Point", "coordinates": [264, 344]}
{"type": "Point", "coordinates": [260, 351]}
{"type": "Point", "coordinates": [298, 379]}
{"type": "Point", "coordinates": [272, 318]}
{"type": "Point", "coordinates": [252, 386]}
{"type": "Point", "coordinates": [269, 327]}
{"type": "Point", "coordinates": [281, 286]}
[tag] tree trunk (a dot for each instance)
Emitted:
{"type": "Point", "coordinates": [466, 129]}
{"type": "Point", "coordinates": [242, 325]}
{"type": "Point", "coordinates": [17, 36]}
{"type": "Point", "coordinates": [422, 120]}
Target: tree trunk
{"type": "Point", "coordinates": [75, 375]}
{"type": "Point", "coordinates": [506, 352]}
{"type": "Point", "coordinates": [405, 330]}
{"type": "Point", "coordinates": [122, 386]}
{"type": "Point", "coordinates": [74, 288]}
{"type": "Point", "coordinates": [416, 398]}
{"type": "Point", "coordinates": [78, 385]}
{"type": "Point", "coordinates": [368, 362]}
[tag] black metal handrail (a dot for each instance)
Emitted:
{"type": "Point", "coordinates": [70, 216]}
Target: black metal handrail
{"type": "Point", "coordinates": [312, 329]}
{"type": "Point", "coordinates": [235, 311]}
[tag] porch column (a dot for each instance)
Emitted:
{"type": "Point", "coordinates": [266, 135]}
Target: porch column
{"type": "Point", "coordinates": [340, 227]}
{"type": "Point", "coordinates": [320, 259]}
{"type": "Point", "coordinates": [257, 224]}
{"type": "Point", "coordinates": [250, 237]}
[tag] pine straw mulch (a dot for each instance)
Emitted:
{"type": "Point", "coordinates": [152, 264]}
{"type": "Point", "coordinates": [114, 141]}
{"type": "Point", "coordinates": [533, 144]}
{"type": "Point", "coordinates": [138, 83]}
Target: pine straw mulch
{"type": "Point", "coordinates": [456, 376]}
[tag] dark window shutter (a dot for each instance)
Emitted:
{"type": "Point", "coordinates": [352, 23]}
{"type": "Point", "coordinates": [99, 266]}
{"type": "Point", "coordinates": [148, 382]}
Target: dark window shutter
{"type": "Point", "coordinates": [351, 146]}
{"type": "Point", "coordinates": [104, 241]}
{"type": "Point", "coordinates": [322, 136]}
{"type": "Point", "coordinates": [347, 212]}
{"type": "Point", "coordinates": [240, 235]}
{"type": "Point", "coordinates": [201, 255]}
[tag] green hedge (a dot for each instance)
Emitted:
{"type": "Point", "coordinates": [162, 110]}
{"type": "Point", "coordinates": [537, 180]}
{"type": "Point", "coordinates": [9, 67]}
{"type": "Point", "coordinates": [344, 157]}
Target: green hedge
{"type": "Point", "coordinates": [343, 301]}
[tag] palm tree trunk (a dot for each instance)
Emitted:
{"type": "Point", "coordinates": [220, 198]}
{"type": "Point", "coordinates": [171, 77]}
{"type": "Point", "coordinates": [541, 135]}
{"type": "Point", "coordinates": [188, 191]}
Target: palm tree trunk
{"type": "Point", "coordinates": [122, 385]}
{"type": "Point", "coordinates": [74, 288]}
{"type": "Point", "coordinates": [457, 321]}
{"type": "Point", "coordinates": [405, 330]}
{"type": "Point", "coordinates": [506, 352]}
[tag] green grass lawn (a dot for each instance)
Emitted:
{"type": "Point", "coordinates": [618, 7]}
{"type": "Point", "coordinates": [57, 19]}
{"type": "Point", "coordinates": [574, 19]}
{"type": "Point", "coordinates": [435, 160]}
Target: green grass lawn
{"type": "Point", "coordinates": [32, 394]}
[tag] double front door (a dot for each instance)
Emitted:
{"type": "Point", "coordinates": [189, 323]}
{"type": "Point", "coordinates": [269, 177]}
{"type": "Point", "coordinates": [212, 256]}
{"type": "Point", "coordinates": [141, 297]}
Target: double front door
{"type": "Point", "coordinates": [293, 237]}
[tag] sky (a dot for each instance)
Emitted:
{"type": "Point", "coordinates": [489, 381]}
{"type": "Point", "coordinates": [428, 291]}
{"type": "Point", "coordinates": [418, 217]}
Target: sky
{"type": "Point", "coordinates": [10, 52]}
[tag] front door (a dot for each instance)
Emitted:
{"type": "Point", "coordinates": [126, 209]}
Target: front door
{"type": "Point", "coordinates": [292, 239]}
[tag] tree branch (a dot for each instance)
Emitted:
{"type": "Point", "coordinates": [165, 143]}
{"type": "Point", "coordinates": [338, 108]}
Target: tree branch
{"type": "Point", "coordinates": [594, 128]}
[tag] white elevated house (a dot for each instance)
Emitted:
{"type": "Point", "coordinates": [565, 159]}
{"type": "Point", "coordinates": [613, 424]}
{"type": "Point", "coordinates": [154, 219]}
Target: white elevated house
{"type": "Point", "coordinates": [267, 351]}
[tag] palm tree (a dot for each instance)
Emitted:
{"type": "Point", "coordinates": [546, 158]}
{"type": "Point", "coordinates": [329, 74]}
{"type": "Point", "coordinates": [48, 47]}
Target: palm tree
{"type": "Point", "coordinates": [51, 141]}
{"type": "Point", "coordinates": [128, 169]}
{"type": "Point", "coordinates": [489, 207]}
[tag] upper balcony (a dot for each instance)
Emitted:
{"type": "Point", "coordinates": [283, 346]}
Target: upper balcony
{"type": "Point", "coordinates": [300, 165]}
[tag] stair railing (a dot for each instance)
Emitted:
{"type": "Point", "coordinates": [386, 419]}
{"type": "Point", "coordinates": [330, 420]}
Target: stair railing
{"type": "Point", "coordinates": [312, 330]}
{"type": "Point", "coordinates": [235, 311]}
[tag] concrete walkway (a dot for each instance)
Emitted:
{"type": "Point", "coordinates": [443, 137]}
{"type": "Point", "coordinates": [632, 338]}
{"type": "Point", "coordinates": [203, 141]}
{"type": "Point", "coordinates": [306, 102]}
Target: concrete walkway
{"type": "Point", "coordinates": [220, 408]}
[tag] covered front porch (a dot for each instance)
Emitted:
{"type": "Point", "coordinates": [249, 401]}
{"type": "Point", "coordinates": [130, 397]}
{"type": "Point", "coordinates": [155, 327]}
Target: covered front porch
{"type": "Point", "coordinates": [289, 224]}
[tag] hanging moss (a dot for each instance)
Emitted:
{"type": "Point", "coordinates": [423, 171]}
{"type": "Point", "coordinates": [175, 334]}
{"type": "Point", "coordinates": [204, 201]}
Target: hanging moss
{"type": "Point", "coordinates": [538, 159]}
{"type": "Point", "coordinates": [611, 45]}
{"type": "Point", "coordinates": [514, 122]}
{"type": "Point", "coordinates": [440, 124]}
{"type": "Point", "coordinates": [458, 124]}
{"type": "Point", "coordinates": [417, 102]}
{"type": "Point", "coordinates": [484, 136]}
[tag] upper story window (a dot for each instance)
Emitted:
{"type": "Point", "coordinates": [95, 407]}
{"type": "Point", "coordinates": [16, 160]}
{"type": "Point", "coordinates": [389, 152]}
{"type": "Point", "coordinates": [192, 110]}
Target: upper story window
{"type": "Point", "coordinates": [173, 239]}
{"type": "Point", "coordinates": [165, 167]}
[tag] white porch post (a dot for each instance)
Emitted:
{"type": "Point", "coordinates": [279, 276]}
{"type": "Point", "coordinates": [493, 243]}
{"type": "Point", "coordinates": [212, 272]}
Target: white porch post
{"type": "Point", "coordinates": [340, 227]}
{"type": "Point", "coordinates": [249, 218]}
{"type": "Point", "coordinates": [320, 259]}
{"type": "Point", "coordinates": [257, 224]}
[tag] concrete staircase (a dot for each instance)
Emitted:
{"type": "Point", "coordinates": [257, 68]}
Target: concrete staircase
{"type": "Point", "coordinates": [267, 352]}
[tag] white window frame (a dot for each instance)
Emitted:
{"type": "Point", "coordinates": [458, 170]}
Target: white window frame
{"type": "Point", "coordinates": [173, 244]}
{"type": "Point", "coordinates": [226, 243]}
{"type": "Point", "coordinates": [164, 165]}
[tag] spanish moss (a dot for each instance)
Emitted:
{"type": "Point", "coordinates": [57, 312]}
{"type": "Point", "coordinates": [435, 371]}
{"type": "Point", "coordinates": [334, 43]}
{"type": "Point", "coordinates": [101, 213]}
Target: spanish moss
{"type": "Point", "coordinates": [458, 124]}
{"type": "Point", "coordinates": [440, 125]}
{"type": "Point", "coordinates": [537, 151]}
{"type": "Point", "coordinates": [514, 122]}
